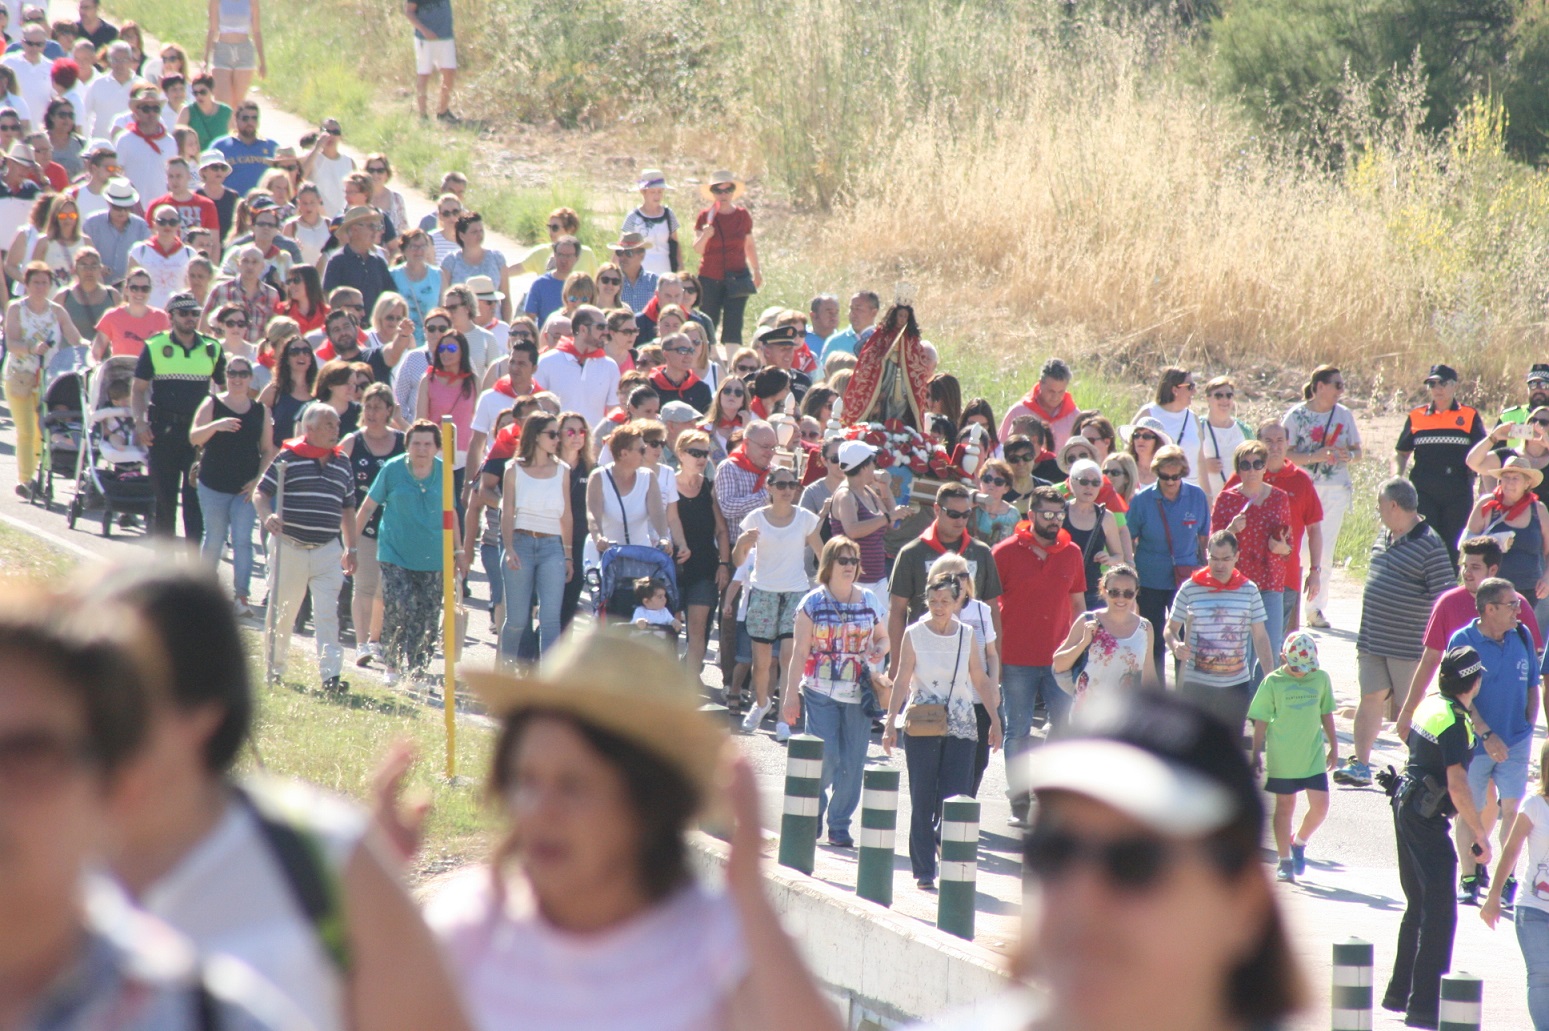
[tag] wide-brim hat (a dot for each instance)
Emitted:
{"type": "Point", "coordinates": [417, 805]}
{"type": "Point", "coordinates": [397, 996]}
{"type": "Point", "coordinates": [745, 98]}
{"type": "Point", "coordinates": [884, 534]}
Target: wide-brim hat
{"type": "Point", "coordinates": [1063, 457]}
{"type": "Point", "coordinates": [359, 213]}
{"type": "Point", "coordinates": [632, 688]}
{"type": "Point", "coordinates": [718, 177]}
{"type": "Point", "coordinates": [1519, 464]}
{"type": "Point", "coordinates": [483, 288]}
{"type": "Point", "coordinates": [283, 155]}
{"type": "Point", "coordinates": [1146, 423]}
{"type": "Point", "coordinates": [630, 242]}
{"type": "Point", "coordinates": [651, 179]}
{"type": "Point", "coordinates": [21, 153]}
{"type": "Point", "coordinates": [213, 159]}
{"type": "Point", "coordinates": [120, 193]}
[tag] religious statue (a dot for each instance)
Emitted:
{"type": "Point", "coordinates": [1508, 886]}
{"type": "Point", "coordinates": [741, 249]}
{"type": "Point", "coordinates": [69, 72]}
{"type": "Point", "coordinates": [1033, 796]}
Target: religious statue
{"type": "Point", "coordinates": [892, 373]}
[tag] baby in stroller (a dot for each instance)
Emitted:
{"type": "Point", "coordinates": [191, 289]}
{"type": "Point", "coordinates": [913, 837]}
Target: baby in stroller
{"type": "Point", "coordinates": [115, 426]}
{"type": "Point", "coordinates": [652, 613]}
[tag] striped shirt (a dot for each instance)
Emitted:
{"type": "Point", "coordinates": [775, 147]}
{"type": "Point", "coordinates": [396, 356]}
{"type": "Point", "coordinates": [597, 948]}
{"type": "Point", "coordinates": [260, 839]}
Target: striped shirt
{"type": "Point", "coordinates": [316, 496]}
{"type": "Point", "coordinates": [1407, 575]}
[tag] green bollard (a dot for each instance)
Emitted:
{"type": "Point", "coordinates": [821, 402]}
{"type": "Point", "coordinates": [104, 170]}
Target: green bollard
{"type": "Point", "coordinates": [879, 824]}
{"type": "Point", "coordinates": [1462, 1002]}
{"type": "Point", "coordinates": [1351, 992]}
{"type": "Point", "coordinates": [803, 782]}
{"type": "Point", "coordinates": [959, 866]}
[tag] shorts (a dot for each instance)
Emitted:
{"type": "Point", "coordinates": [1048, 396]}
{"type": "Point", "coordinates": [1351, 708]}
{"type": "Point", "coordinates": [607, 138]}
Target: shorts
{"type": "Point", "coordinates": [699, 592]}
{"type": "Point", "coordinates": [1378, 673]}
{"type": "Point", "coordinates": [1510, 776]}
{"type": "Point", "coordinates": [434, 54]}
{"type": "Point", "coordinates": [772, 614]}
{"type": "Point", "coordinates": [235, 57]}
{"type": "Point", "coordinates": [1291, 785]}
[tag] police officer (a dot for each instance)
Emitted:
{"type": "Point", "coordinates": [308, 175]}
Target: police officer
{"type": "Point", "coordinates": [171, 381]}
{"type": "Point", "coordinates": [1537, 395]}
{"type": "Point", "coordinates": [1433, 787]}
{"type": "Point", "coordinates": [1439, 436]}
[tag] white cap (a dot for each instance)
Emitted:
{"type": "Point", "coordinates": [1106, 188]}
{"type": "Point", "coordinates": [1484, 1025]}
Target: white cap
{"type": "Point", "coordinates": [855, 453]}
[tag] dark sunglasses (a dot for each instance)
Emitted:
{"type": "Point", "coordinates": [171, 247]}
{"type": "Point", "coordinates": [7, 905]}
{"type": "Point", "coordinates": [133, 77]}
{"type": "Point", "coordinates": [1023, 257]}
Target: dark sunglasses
{"type": "Point", "coordinates": [298, 350]}
{"type": "Point", "coordinates": [1144, 435]}
{"type": "Point", "coordinates": [449, 214]}
{"type": "Point", "coordinates": [378, 170]}
{"type": "Point", "coordinates": [1250, 464]}
{"type": "Point", "coordinates": [1535, 422]}
{"type": "Point", "coordinates": [1169, 478]}
{"type": "Point", "coordinates": [783, 484]}
{"type": "Point", "coordinates": [995, 481]}
{"type": "Point", "coordinates": [746, 370]}
{"type": "Point", "coordinates": [610, 281]}
{"type": "Point", "coordinates": [717, 190]}
{"type": "Point", "coordinates": [236, 323]}
{"type": "Point", "coordinates": [1111, 473]}
{"type": "Point", "coordinates": [677, 350]}
{"type": "Point", "coordinates": [139, 288]}
{"type": "Point", "coordinates": [729, 391]}
{"type": "Point", "coordinates": [1119, 594]}
{"type": "Point", "coordinates": [239, 373]}
{"type": "Point", "coordinates": [168, 221]}
{"type": "Point", "coordinates": [1086, 481]}
{"type": "Point", "coordinates": [847, 560]}
{"type": "Point", "coordinates": [1020, 457]}
{"type": "Point", "coordinates": [438, 328]}
{"type": "Point", "coordinates": [655, 441]}
{"type": "Point", "coordinates": [695, 452]}
{"type": "Point", "coordinates": [956, 513]}
{"type": "Point", "coordinates": [1128, 864]}
{"type": "Point", "coordinates": [447, 348]}
{"type": "Point", "coordinates": [1223, 395]}
{"type": "Point", "coordinates": [524, 336]}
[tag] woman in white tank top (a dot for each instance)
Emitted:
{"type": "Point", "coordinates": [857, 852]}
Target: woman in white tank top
{"type": "Point", "coordinates": [1115, 639]}
{"type": "Point", "coordinates": [535, 532]}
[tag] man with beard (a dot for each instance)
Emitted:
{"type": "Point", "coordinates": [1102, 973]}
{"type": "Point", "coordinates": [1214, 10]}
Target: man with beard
{"type": "Point", "coordinates": [1537, 397]}
{"type": "Point", "coordinates": [1043, 581]}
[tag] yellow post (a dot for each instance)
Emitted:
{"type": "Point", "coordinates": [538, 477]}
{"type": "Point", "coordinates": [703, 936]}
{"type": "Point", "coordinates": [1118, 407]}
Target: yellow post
{"type": "Point", "coordinates": [449, 598]}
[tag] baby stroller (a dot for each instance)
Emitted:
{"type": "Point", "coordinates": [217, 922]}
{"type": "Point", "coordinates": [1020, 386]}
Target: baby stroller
{"type": "Point", "coordinates": [112, 471]}
{"type": "Point", "coordinates": [612, 581]}
{"type": "Point", "coordinates": [64, 402]}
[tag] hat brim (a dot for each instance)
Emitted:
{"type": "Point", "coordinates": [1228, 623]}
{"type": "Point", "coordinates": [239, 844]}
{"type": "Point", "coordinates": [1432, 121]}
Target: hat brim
{"type": "Point", "coordinates": [1166, 797]}
{"type": "Point", "coordinates": [738, 189]}
{"type": "Point", "coordinates": [1064, 461]}
{"type": "Point", "coordinates": [1128, 430]}
{"type": "Point", "coordinates": [494, 296]}
{"type": "Point", "coordinates": [1534, 476]}
{"type": "Point", "coordinates": [685, 738]}
{"type": "Point", "coordinates": [623, 248]}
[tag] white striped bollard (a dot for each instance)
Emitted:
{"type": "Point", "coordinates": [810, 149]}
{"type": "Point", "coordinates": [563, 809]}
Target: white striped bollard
{"type": "Point", "coordinates": [959, 866]}
{"type": "Point", "coordinates": [1351, 992]}
{"type": "Point", "coordinates": [803, 781]}
{"type": "Point", "coordinates": [1462, 1002]}
{"type": "Point", "coordinates": [879, 825]}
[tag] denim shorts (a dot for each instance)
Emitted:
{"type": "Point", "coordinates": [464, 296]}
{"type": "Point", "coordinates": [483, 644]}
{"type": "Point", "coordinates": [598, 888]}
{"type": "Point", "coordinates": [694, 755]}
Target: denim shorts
{"type": "Point", "coordinates": [1510, 776]}
{"type": "Point", "coordinates": [698, 592]}
{"type": "Point", "coordinates": [236, 57]}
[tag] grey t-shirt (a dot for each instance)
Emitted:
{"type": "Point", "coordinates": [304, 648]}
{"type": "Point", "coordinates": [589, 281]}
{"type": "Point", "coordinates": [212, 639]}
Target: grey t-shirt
{"type": "Point", "coordinates": [435, 15]}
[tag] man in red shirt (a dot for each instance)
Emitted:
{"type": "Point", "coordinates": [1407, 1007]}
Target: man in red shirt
{"type": "Point", "coordinates": [1043, 583]}
{"type": "Point", "coordinates": [193, 209]}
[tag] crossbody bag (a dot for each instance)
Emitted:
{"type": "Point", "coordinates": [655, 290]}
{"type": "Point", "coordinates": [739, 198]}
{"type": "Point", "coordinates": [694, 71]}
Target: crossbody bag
{"type": "Point", "coordinates": [1181, 572]}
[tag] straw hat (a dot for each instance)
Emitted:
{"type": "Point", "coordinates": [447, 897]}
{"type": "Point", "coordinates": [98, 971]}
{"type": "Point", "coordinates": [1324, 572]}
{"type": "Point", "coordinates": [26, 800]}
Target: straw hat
{"type": "Point", "coordinates": [359, 213]}
{"type": "Point", "coordinates": [630, 242]}
{"type": "Point", "coordinates": [651, 179]}
{"type": "Point", "coordinates": [1146, 423]}
{"type": "Point", "coordinates": [284, 157]}
{"type": "Point", "coordinates": [1519, 464]}
{"type": "Point", "coordinates": [483, 288]}
{"type": "Point", "coordinates": [719, 177]}
{"type": "Point", "coordinates": [1078, 441]}
{"type": "Point", "coordinates": [629, 687]}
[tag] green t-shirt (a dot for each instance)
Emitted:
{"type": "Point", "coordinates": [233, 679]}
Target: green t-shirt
{"type": "Point", "coordinates": [409, 535]}
{"type": "Point", "coordinates": [1293, 708]}
{"type": "Point", "coordinates": [211, 128]}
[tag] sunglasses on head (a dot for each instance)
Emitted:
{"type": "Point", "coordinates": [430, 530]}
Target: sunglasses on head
{"type": "Point", "coordinates": [1128, 864]}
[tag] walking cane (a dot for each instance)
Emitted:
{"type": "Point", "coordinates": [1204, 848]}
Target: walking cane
{"type": "Point", "coordinates": [271, 609]}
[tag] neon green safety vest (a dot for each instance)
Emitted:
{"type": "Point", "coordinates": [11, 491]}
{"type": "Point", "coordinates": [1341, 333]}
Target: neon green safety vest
{"type": "Point", "coordinates": [1435, 714]}
{"type": "Point", "coordinates": [170, 361]}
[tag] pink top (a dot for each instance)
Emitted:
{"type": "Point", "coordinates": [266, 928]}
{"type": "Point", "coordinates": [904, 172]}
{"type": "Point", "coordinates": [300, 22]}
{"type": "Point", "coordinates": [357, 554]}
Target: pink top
{"type": "Point", "coordinates": [1455, 609]}
{"type": "Point", "coordinates": [447, 398]}
{"type": "Point", "coordinates": [126, 334]}
{"type": "Point", "coordinates": [675, 967]}
{"type": "Point", "coordinates": [1269, 518]}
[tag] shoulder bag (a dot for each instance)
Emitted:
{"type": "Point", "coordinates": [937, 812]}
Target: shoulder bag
{"type": "Point", "coordinates": [929, 719]}
{"type": "Point", "coordinates": [1181, 571]}
{"type": "Point", "coordinates": [871, 705]}
{"type": "Point", "coordinates": [1068, 680]}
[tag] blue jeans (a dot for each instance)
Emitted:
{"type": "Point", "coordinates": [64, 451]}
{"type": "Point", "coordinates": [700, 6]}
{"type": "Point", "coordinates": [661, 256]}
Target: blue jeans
{"type": "Point", "coordinates": [1274, 626]}
{"type": "Point", "coordinates": [489, 555]}
{"type": "Point", "coordinates": [846, 732]}
{"type": "Point", "coordinates": [1021, 687]}
{"type": "Point", "coordinates": [542, 573]}
{"type": "Point", "coordinates": [939, 767]}
{"type": "Point", "coordinates": [233, 514]}
{"type": "Point", "coordinates": [1533, 937]}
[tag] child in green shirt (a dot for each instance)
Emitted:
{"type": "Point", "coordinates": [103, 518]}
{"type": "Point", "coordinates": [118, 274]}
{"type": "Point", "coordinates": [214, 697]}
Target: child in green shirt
{"type": "Point", "coordinates": [1286, 712]}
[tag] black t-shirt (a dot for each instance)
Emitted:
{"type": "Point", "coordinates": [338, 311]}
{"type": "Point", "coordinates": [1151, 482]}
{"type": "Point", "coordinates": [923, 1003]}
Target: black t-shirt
{"type": "Point", "coordinates": [225, 212]}
{"type": "Point", "coordinates": [913, 564]}
{"type": "Point", "coordinates": [1431, 751]}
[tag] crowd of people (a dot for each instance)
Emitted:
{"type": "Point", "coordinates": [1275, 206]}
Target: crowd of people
{"type": "Point", "coordinates": [301, 346]}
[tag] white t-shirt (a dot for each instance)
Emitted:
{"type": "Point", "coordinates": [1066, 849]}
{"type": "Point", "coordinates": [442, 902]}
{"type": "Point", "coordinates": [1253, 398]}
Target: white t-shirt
{"type": "Point", "coordinates": [106, 99]}
{"type": "Point", "coordinates": [589, 390]}
{"type": "Point", "coordinates": [1534, 888]}
{"type": "Point", "coordinates": [976, 615]}
{"type": "Point", "coordinates": [657, 617]}
{"type": "Point", "coordinates": [36, 83]}
{"type": "Point", "coordinates": [674, 967]}
{"type": "Point", "coordinates": [487, 409]}
{"type": "Point", "coordinates": [782, 550]}
{"type": "Point", "coordinates": [169, 272]}
{"type": "Point", "coordinates": [144, 163]}
{"type": "Point", "coordinates": [1183, 428]}
{"type": "Point", "coordinates": [1218, 442]}
{"type": "Point", "coordinates": [328, 173]}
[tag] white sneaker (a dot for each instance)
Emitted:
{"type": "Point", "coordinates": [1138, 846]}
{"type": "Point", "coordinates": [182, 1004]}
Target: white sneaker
{"type": "Point", "coordinates": [782, 732]}
{"type": "Point", "coordinates": [1317, 620]}
{"type": "Point", "coordinates": [754, 717]}
{"type": "Point", "coordinates": [391, 678]}
{"type": "Point", "coordinates": [240, 610]}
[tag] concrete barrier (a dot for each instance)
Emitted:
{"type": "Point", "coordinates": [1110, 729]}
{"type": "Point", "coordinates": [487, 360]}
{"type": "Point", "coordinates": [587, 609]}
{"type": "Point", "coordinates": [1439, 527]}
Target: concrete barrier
{"type": "Point", "coordinates": [883, 969]}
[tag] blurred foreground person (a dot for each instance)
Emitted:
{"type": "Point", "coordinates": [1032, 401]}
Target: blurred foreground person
{"type": "Point", "coordinates": [1148, 827]}
{"type": "Point", "coordinates": [277, 875]}
{"type": "Point", "coordinates": [74, 954]}
{"type": "Point", "coordinates": [589, 915]}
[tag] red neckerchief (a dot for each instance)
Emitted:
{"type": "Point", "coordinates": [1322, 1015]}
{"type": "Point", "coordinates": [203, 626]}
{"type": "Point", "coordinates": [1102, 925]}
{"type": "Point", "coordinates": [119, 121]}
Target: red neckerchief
{"type": "Point", "coordinates": [156, 246]}
{"type": "Point", "coordinates": [658, 378]}
{"type": "Point", "coordinates": [758, 408]}
{"type": "Point", "coordinates": [299, 447]}
{"type": "Point", "coordinates": [506, 442]}
{"type": "Point", "coordinates": [503, 386]}
{"type": "Point", "coordinates": [1044, 456]}
{"type": "Point", "coordinates": [932, 540]}
{"type": "Point", "coordinates": [740, 459]}
{"type": "Point", "coordinates": [653, 308]}
{"type": "Point", "coordinates": [1024, 534]}
{"type": "Point", "coordinates": [1067, 405]}
{"type": "Point", "coordinates": [1204, 579]}
{"type": "Point", "coordinates": [1496, 502]}
{"type": "Point", "coordinates": [802, 359]}
{"type": "Point", "coordinates": [266, 359]}
{"type": "Point", "coordinates": [719, 422]}
{"type": "Point", "coordinates": [618, 415]}
{"type": "Point", "coordinates": [134, 127]}
{"type": "Point", "coordinates": [567, 345]}
{"type": "Point", "coordinates": [450, 377]}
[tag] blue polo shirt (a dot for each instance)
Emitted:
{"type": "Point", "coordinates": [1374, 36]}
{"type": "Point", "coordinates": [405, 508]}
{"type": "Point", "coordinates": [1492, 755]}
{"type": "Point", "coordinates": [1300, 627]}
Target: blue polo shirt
{"type": "Point", "coordinates": [249, 161]}
{"type": "Point", "coordinates": [1511, 670]}
{"type": "Point", "coordinates": [1188, 517]}
{"type": "Point", "coordinates": [545, 296]}
{"type": "Point", "coordinates": [845, 341]}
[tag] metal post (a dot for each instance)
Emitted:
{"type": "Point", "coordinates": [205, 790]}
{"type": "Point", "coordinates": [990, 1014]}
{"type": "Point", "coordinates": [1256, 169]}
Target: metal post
{"type": "Point", "coordinates": [1462, 1002]}
{"type": "Point", "coordinates": [1351, 992]}
{"type": "Point", "coordinates": [879, 825]}
{"type": "Point", "coordinates": [272, 605]}
{"type": "Point", "coordinates": [449, 597]}
{"type": "Point", "coordinates": [803, 781]}
{"type": "Point", "coordinates": [959, 866]}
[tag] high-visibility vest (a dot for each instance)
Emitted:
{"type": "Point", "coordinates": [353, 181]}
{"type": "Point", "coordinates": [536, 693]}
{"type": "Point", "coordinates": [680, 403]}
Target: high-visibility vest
{"type": "Point", "coordinates": [170, 361]}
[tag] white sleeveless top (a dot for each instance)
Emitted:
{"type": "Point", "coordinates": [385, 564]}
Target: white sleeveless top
{"type": "Point", "coordinates": [230, 895]}
{"type": "Point", "coordinates": [674, 967]}
{"type": "Point", "coordinates": [634, 514]}
{"type": "Point", "coordinates": [1112, 664]}
{"type": "Point", "coordinates": [540, 503]}
{"type": "Point", "coordinates": [941, 665]}
{"type": "Point", "coordinates": [312, 239]}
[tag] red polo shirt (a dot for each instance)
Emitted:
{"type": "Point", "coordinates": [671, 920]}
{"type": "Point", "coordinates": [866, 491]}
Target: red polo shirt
{"type": "Point", "coordinates": [1306, 509]}
{"type": "Point", "coordinates": [1035, 595]}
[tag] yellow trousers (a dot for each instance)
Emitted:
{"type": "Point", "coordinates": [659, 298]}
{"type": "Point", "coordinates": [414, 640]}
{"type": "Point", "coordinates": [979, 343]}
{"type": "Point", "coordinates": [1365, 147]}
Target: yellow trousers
{"type": "Point", "coordinates": [21, 396]}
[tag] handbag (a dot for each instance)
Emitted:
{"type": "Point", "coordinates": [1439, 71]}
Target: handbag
{"type": "Point", "coordinates": [929, 719]}
{"type": "Point", "coordinates": [871, 705]}
{"type": "Point", "coordinates": [1181, 572]}
{"type": "Point", "coordinates": [1068, 680]}
{"type": "Point", "coordinates": [739, 284]}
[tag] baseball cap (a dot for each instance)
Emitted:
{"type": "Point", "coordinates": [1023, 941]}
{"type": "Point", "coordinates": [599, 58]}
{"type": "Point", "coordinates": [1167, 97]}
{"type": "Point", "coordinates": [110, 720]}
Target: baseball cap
{"type": "Point", "coordinates": [1459, 666]}
{"type": "Point", "coordinates": [855, 453]}
{"type": "Point", "coordinates": [1540, 370]}
{"type": "Point", "coordinates": [679, 411]}
{"type": "Point", "coordinates": [1159, 759]}
{"type": "Point", "coordinates": [183, 302]}
{"type": "Point", "coordinates": [1442, 373]}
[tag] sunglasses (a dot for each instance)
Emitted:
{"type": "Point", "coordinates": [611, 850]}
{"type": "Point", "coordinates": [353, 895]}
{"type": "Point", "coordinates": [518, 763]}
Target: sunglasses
{"type": "Point", "coordinates": [734, 392]}
{"type": "Point", "coordinates": [995, 481]}
{"type": "Point", "coordinates": [571, 431]}
{"type": "Point", "coordinates": [450, 214]}
{"type": "Point", "coordinates": [550, 434]}
{"type": "Point", "coordinates": [746, 370]}
{"type": "Point", "coordinates": [847, 560]}
{"type": "Point", "coordinates": [1223, 395]}
{"type": "Point", "coordinates": [1120, 594]}
{"type": "Point", "coordinates": [448, 348]}
{"type": "Point", "coordinates": [267, 225]}
{"type": "Point", "coordinates": [167, 222]}
{"type": "Point", "coordinates": [1050, 517]}
{"type": "Point", "coordinates": [524, 336]}
{"type": "Point", "coordinates": [695, 452]}
{"type": "Point", "coordinates": [655, 442]}
{"type": "Point", "coordinates": [238, 373]}
{"type": "Point", "coordinates": [555, 227]}
{"type": "Point", "coordinates": [291, 352]}
{"type": "Point", "coordinates": [677, 350]}
{"type": "Point", "coordinates": [139, 288]}
{"type": "Point", "coordinates": [440, 327]}
{"type": "Point", "coordinates": [1169, 478]}
{"type": "Point", "coordinates": [1188, 386]}
{"type": "Point", "coordinates": [68, 216]}
{"type": "Point", "coordinates": [719, 191]}
{"type": "Point", "coordinates": [1116, 471]}
{"type": "Point", "coordinates": [783, 484]}
{"type": "Point", "coordinates": [1245, 464]}
{"type": "Point", "coordinates": [10, 127]}
{"type": "Point", "coordinates": [610, 281]}
{"type": "Point", "coordinates": [1535, 422]}
{"type": "Point", "coordinates": [1145, 435]}
{"type": "Point", "coordinates": [1020, 457]}
{"type": "Point", "coordinates": [201, 93]}
{"type": "Point", "coordinates": [247, 118]}
{"type": "Point", "coordinates": [955, 513]}
{"type": "Point", "coordinates": [378, 170]}
{"type": "Point", "coordinates": [1087, 481]}
{"type": "Point", "coordinates": [1128, 864]}
{"type": "Point", "coordinates": [235, 323]}
{"type": "Point", "coordinates": [626, 331]}
{"type": "Point", "coordinates": [812, 435]}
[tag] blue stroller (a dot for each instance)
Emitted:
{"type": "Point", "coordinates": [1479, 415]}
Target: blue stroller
{"type": "Point", "coordinates": [612, 581]}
